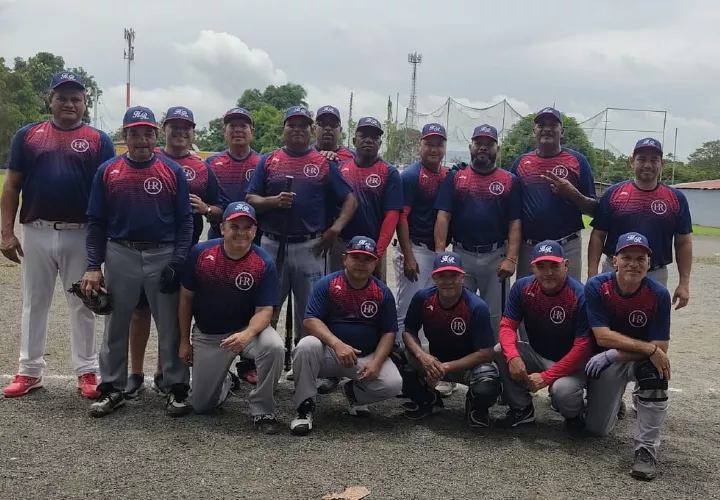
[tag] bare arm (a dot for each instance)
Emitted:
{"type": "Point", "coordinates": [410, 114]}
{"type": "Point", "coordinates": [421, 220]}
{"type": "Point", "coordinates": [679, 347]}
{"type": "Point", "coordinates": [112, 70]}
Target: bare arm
{"type": "Point", "coordinates": [403, 233]}
{"type": "Point", "coordinates": [185, 314]}
{"type": "Point", "coordinates": [514, 240]}
{"type": "Point", "coordinates": [260, 320]}
{"type": "Point", "coordinates": [347, 211]}
{"type": "Point", "coordinates": [595, 250]}
{"type": "Point", "coordinates": [10, 200]}
{"type": "Point", "coordinates": [611, 339]}
{"type": "Point", "coordinates": [584, 203]}
{"type": "Point", "coordinates": [382, 351]}
{"type": "Point", "coordinates": [413, 345]}
{"type": "Point", "coordinates": [471, 360]}
{"type": "Point", "coordinates": [683, 255]}
{"type": "Point", "coordinates": [442, 223]}
{"type": "Point", "coordinates": [263, 203]}
{"type": "Point", "coordinates": [317, 328]}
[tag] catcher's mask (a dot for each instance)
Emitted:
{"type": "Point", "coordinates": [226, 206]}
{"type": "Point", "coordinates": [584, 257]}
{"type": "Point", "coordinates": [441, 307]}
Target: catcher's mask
{"type": "Point", "coordinates": [99, 302]}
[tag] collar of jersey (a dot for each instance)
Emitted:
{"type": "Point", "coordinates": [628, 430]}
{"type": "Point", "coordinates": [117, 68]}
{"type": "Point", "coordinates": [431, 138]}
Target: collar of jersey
{"type": "Point", "coordinates": [297, 154]}
{"type": "Point", "coordinates": [452, 306]}
{"type": "Point", "coordinates": [222, 249]}
{"type": "Point", "coordinates": [484, 173]}
{"type": "Point", "coordinates": [619, 292]}
{"type": "Point", "coordinates": [235, 158]}
{"type": "Point", "coordinates": [347, 282]}
{"type": "Point", "coordinates": [139, 164]}
{"type": "Point", "coordinates": [54, 125]}
{"type": "Point", "coordinates": [645, 190]}
{"type": "Point", "coordinates": [181, 157]}
{"type": "Point", "coordinates": [560, 290]}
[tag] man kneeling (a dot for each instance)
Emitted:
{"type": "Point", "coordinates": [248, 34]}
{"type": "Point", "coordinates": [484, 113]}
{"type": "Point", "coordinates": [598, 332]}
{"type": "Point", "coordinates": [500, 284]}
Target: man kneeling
{"type": "Point", "coordinates": [351, 323]}
{"type": "Point", "coordinates": [230, 287]}
{"type": "Point", "coordinates": [457, 325]}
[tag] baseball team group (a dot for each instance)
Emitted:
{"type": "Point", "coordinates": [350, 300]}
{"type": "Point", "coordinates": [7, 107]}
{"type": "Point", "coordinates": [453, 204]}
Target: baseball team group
{"type": "Point", "coordinates": [504, 313]}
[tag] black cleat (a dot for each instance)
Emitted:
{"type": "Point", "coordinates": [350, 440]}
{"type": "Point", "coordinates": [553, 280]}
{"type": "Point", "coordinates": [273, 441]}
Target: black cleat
{"type": "Point", "coordinates": [513, 418]}
{"type": "Point", "coordinates": [267, 424]}
{"type": "Point", "coordinates": [302, 424]}
{"type": "Point", "coordinates": [644, 467]}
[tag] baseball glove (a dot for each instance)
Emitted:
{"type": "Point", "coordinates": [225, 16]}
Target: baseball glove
{"type": "Point", "coordinates": [99, 302]}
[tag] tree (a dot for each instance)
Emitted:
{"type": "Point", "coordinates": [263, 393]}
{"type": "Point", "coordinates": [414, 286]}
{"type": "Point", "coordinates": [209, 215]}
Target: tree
{"type": "Point", "coordinates": [407, 144]}
{"type": "Point", "coordinates": [211, 138]}
{"type": "Point", "coordinates": [281, 97]}
{"type": "Point", "coordinates": [520, 140]}
{"type": "Point", "coordinates": [706, 160]}
{"type": "Point", "coordinates": [268, 129]}
{"type": "Point", "coordinates": [19, 106]}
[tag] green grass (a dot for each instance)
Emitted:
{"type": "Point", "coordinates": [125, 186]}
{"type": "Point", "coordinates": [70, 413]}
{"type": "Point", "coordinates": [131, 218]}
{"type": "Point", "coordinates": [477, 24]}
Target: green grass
{"type": "Point", "coordinates": [698, 230]}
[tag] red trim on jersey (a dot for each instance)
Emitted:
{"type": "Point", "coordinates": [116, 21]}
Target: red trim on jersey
{"type": "Point", "coordinates": [577, 356]}
{"type": "Point", "coordinates": [508, 337]}
{"type": "Point", "coordinates": [387, 230]}
{"type": "Point", "coordinates": [405, 213]}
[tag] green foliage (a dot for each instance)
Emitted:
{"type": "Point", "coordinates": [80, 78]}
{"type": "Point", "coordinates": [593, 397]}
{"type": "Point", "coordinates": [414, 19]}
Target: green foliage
{"type": "Point", "coordinates": [211, 138]}
{"type": "Point", "coordinates": [281, 97]}
{"type": "Point", "coordinates": [408, 140]}
{"type": "Point", "coordinates": [268, 129]}
{"type": "Point", "coordinates": [19, 105]}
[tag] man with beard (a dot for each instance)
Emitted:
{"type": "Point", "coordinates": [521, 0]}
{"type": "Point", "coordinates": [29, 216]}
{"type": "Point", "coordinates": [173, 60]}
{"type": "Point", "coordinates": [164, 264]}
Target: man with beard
{"type": "Point", "coordinates": [52, 165]}
{"type": "Point", "coordinates": [205, 200]}
{"type": "Point", "coordinates": [629, 314]}
{"type": "Point", "coordinates": [300, 215]}
{"type": "Point", "coordinates": [328, 132]}
{"type": "Point", "coordinates": [557, 188]}
{"type": "Point", "coordinates": [647, 206]}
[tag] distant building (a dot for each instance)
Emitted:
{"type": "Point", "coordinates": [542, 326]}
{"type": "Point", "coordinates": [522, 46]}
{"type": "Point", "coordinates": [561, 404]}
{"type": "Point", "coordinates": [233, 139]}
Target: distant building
{"type": "Point", "coordinates": [704, 200]}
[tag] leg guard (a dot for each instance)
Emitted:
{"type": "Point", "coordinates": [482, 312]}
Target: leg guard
{"type": "Point", "coordinates": [483, 392]}
{"type": "Point", "coordinates": [415, 387]}
{"type": "Point", "coordinates": [651, 387]}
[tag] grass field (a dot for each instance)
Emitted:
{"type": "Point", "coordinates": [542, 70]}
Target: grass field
{"type": "Point", "coordinates": [699, 230]}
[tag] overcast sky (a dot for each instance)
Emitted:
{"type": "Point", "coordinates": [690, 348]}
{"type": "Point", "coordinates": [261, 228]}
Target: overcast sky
{"type": "Point", "coordinates": [582, 56]}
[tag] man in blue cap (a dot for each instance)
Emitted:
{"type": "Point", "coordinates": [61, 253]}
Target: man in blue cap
{"type": "Point", "coordinates": [229, 288]}
{"type": "Point", "coordinates": [457, 325]}
{"type": "Point", "coordinates": [629, 314]}
{"type": "Point", "coordinates": [140, 227]}
{"type": "Point", "coordinates": [52, 165]}
{"type": "Point", "coordinates": [328, 132]}
{"type": "Point", "coordinates": [557, 189]}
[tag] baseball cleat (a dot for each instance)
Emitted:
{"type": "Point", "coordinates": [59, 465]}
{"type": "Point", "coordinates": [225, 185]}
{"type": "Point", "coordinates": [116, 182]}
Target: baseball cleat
{"type": "Point", "coordinates": [327, 385]}
{"type": "Point", "coordinates": [644, 467]}
{"type": "Point", "coordinates": [178, 402]}
{"type": "Point", "coordinates": [446, 388]}
{"type": "Point", "coordinates": [302, 424]}
{"type": "Point", "coordinates": [513, 418]}
{"type": "Point", "coordinates": [21, 385]}
{"type": "Point", "coordinates": [268, 424]}
{"type": "Point", "coordinates": [479, 419]}
{"type": "Point", "coordinates": [354, 408]}
{"type": "Point", "coordinates": [107, 403]}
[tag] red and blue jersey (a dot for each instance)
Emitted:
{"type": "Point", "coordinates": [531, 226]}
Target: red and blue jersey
{"type": "Point", "coordinates": [317, 184]}
{"type": "Point", "coordinates": [227, 291]}
{"type": "Point", "coordinates": [552, 321]}
{"type": "Point", "coordinates": [658, 214]}
{"type": "Point", "coordinates": [643, 315]}
{"type": "Point", "coordinates": [481, 205]}
{"type": "Point", "coordinates": [58, 167]}
{"type": "Point", "coordinates": [344, 154]}
{"type": "Point", "coordinates": [358, 317]}
{"type": "Point", "coordinates": [452, 333]}
{"type": "Point", "coordinates": [547, 216]}
{"type": "Point", "coordinates": [378, 189]}
{"type": "Point", "coordinates": [233, 174]}
{"type": "Point", "coordinates": [420, 189]}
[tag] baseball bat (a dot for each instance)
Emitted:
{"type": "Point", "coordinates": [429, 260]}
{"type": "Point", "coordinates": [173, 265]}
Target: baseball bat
{"type": "Point", "coordinates": [280, 264]}
{"type": "Point", "coordinates": [503, 292]}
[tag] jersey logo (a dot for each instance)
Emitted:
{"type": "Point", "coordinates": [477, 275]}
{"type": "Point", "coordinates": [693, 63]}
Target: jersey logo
{"type": "Point", "coordinates": [373, 180]}
{"type": "Point", "coordinates": [189, 173]}
{"type": "Point", "coordinates": [658, 207]}
{"type": "Point", "coordinates": [457, 325]}
{"type": "Point", "coordinates": [430, 307]}
{"type": "Point", "coordinates": [152, 185]}
{"type": "Point", "coordinates": [114, 171]}
{"type": "Point", "coordinates": [244, 281]}
{"type": "Point", "coordinates": [210, 257]}
{"type": "Point", "coordinates": [496, 188]}
{"type": "Point", "coordinates": [338, 287]}
{"type": "Point", "coordinates": [557, 315]}
{"type": "Point", "coordinates": [637, 318]}
{"type": "Point", "coordinates": [561, 171]}
{"type": "Point", "coordinates": [248, 174]}
{"type": "Point", "coordinates": [311, 170]}
{"type": "Point", "coordinates": [368, 309]}
{"type": "Point", "coordinates": [80, 145]}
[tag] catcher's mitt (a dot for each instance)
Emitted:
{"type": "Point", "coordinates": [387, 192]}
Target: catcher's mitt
{"type": "Point", "coordinates": [99, 302]}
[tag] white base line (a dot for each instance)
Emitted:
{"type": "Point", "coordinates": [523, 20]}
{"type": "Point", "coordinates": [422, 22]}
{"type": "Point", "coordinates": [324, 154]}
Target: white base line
{"type": "Point", "coordinates": [45, 377]}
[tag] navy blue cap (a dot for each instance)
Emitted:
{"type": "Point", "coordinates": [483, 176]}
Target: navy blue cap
{"type": "Point", "coordinates": [328, 110]}
{"type": "Point", "coordinates": [298, 111]}
{"type": "Point", "coordinates": [545, 112]}
{"type": "Point", "coordinates": [648, 142]}
{"type": "Point", "coordinates": [632, 240]}
{"type": "Point", "coordinates": [362, 244]}
{"type": "Point", "coordinates": [237, 113]}
{"type": "Point", "coordinates": [485, 130]}
{"type": "Point", "coordinates": [239, 209]}
{"type": "Point", "coordinates": [179, 113]}
{"type": "Point", "coordinates": [433, 129]}
{"type": "Point", "coordinates": [370, 122]}
{"type": "Point", "coordinates": [139, 115]}
{"type": "Point", "coordinates": [447, 261]}
{"type": "Point", "coordinates": [66, 77]}
{"type": "Point", "coordinates": [548, 250]}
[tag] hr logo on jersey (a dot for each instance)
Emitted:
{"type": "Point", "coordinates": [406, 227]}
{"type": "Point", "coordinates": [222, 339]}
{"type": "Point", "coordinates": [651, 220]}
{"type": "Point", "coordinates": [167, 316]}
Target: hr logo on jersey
{"type": "Point", "coordinates": [457, 325]}
{"type": "Point", "coordinates": [152, 185]}
{"type": "Point", "coordinates": [638, 319]}
{"type": "Point", "coordinates": [80, 145]}
{"type": "Point", "coordinates": [557, 315]}
{"type": "Point", "coordinates": [311, 170]}
{"type": "Point", "coordinates": [244, 281]}
{"type": "Point", "coordinates": [496, 188]}
{"type": "Point", "coordinates": [658, 207]}
{"type": "Point", "coordinates": [561, 171]}
{"type": "Point", "coordinates": [248, 174]}
{"type": "Point", "coordinates": [373, 180]}
{"type": "Point", "coordinates": [140, 114]}
{"type": "Point", "coordinates": [189, 173]}
{"type": "Point", "coordinates": [368, 309]}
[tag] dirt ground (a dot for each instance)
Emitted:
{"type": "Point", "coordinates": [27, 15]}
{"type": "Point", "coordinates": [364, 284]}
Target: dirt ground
{"type": "Point", "coordinates": [51, 448]}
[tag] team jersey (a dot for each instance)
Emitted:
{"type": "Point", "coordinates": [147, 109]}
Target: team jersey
{"type": "Point", "coordinates": [344, 154]}
{"type": "Point", "coordinates": [420, 188]}
{"type": "Point", "coordinates": [58, 167]}
{"type": "Point", "coordinates": [452, 333]}
{"type": "Point", "coordinates": [644, 315]}
{"type": "Point", "coordinates": [317, 184]}
{"type": "Point", "coordinates": [547, 216]}
{"type": "Point", "coordinates": [227, 291]}
{"type": "Point", "coordinates": [358, 317]}
{"type": "Point", "coordinates": [658, 214]}
{"type": "Point", "coordinates": [481, 205]}
{"type": "Point", "coordinates": [233, 174]}
{"type": "Point", "coordinates": [552, 321]}
{"type": "Point", "coordinates": [378, 189]}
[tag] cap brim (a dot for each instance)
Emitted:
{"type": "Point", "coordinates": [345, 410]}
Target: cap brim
{"type": "Point", "coordinates": [490, 136]}
{"type": "Point", "coordinates": [654, 148]}
{"type": "Point", "coordinates": [138, 124]}
{"type": "Point", "coordinates": [229, 117]}
{"type": "Point", "coordinates": [348, 252]}
{"type": "Point", "coordinates": [543, 115]}
{"type": "Point", "coordinates": [240, 214]}
{"type": "Point", "coordinates": [647, 248]}
{"type": "Point", "coordinates": [327, 113]}
{"type": "Point", "coordinates": [307, 118]}
{"type": "Point", "coordinates": [448, 268]}
{"type": "Point", "coordinates": [434, 133]}
{"type": "Point", "coordinates": [68, 82]}
{"type": "Point", "coordinates": [549, 258]}
{"type": "Point", "coordinates": [372, 127]}
{"type": "Point", "coordinates": [178, 118]}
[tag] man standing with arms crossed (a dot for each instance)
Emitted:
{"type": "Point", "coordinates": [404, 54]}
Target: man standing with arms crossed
{"type": "Point", "coordinates": [646, 206]}
{"type": "Point", "coordinates": [52, 164]}
{"type": "Point", "coordinates": [557, 188]}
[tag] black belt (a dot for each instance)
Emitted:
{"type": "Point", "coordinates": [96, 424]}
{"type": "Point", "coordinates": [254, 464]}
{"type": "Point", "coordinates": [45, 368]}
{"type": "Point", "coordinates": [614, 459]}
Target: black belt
{"type": "Point", "coordinates": [295, 238]}
{"type": "Point", "coordinates": [141, 245]}
{"type": "Point", "coordinates": [479, 248]}
{"type": "Point", "coordinates": [561, 241]}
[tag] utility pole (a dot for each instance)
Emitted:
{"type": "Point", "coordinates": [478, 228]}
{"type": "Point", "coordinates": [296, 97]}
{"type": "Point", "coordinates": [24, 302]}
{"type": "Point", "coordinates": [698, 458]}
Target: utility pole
{"type": "Point", "coordinates": [414, 59]}
{"type": "Point", "coordinates": [96, 100]}
{"type": "Point", "coordinates": [351, 124]}
{"type": "Point", "coordinates": [130, 57]}
{"type": "Point", "coordinates": [672, 181]}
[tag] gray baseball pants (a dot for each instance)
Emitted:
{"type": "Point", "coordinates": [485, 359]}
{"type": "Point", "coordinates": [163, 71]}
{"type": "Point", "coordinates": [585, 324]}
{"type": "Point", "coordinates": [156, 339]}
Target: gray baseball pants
{"type": "Point", "coordinates": [660, 275]}
{"type": "Point", "coordinates": [406, 288]}
{"type": "Point", "coordinates": [573, 253]}
{"type": "Point", "coordinates": [127, 272]}
{"type": "Point", "coordinates": [312, 359]}
{"type": "Point", "coordinates": [210, 378]}
{"type": "Point", "coordinates": [566, 393]}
